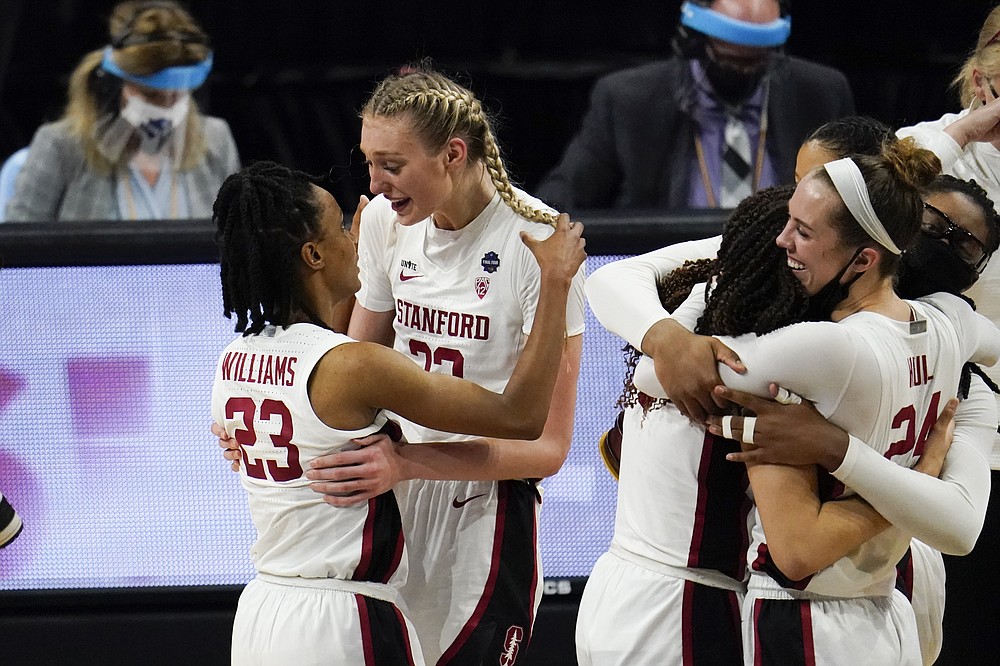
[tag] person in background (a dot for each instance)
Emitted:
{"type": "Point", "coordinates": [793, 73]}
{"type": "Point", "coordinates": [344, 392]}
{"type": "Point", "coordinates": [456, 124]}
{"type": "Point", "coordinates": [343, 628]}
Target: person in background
{"type": "Point", "coordinates": [132, 143]}
{"type": "Point", "coordinates": [722, 118]}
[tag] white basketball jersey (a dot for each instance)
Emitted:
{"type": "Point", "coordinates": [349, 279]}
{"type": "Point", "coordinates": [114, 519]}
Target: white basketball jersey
{"type": "Point", "coordinates": [680, 502]}
{"type": "Point", "coordinates": [464, 300]}
{"type": "Point", "coordinates": [889, 391]}
{"type": "Point", "coordinates": [261, 397]}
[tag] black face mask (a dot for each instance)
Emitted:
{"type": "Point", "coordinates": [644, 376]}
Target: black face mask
{"type": "Point", "coordinates": [931, 266]}
{"type": "Point", "coordinates": [732, 85]}
{"type": "Point", "coordinates": [824, 301]}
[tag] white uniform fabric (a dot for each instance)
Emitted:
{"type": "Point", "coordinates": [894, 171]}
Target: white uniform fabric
{"type": "Point", "coordinates": [638, 614]}
{"type": "Point", "coordinates": [464, 302]}
{"type": "Point", "coordinates": [681, 524]}
{"type": "Point", "coordinates": [870, 570]}
{"type": "Point", "coordinates": [803, 629]}
{"type": "Point", "coordinates": [882, 380]}
{"type": "Point", "coordinates": [292, 610]}
{"type": "Point", "coordinates": [927, 596]}
{"type": "Point", "coordinates": [261, 397]}
{"type": "Point", "coordinates": [950, 513]}
{"type": "Point", "coordinates": [980, 162]}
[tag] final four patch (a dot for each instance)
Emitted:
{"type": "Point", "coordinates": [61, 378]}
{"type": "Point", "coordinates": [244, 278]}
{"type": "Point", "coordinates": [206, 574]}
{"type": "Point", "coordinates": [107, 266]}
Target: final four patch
{"type": "Point", "coordinates": [482, 286]}
{"type": "Point", "coordinates": [491, 262]}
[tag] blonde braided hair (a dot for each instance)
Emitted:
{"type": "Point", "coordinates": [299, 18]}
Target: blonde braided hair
{"type": "Point", "coordinates": [441, 109]}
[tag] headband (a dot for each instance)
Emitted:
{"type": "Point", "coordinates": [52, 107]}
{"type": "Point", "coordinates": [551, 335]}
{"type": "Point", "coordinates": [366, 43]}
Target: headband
{"type": "Point", "coordinates": [731, 30]}
{"type": "Point", "coordinates": [850, 184]}
{"type": "Point", "coordinates": [181, 77]}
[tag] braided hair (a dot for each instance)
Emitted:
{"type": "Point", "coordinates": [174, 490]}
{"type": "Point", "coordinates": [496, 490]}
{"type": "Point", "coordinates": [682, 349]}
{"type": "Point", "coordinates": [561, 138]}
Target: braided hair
{"type": "Point", "coordinates": [263, 214]}
{"type": "Point", "coordinates": [754, 292]}
{"type": "Point", "coordinates": [440, 109]}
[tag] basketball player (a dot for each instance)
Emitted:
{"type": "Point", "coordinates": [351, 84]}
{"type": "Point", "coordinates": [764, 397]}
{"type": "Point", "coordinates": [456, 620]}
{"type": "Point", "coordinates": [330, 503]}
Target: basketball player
{"type": "Point", "coordinates": [290, 389]}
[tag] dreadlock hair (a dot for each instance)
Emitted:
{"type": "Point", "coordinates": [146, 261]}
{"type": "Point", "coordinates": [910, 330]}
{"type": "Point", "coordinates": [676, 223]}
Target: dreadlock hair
{"type": "Point", "coordinates": [753, 292]}
{"type": "Point", "coordinates": [439, 109]}
{"type": "Point", "coordinates": [263, 214]}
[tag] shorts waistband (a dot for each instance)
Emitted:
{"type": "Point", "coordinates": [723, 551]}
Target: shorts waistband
{"type": "Point", "coordinates": [708, 577]}
{"type": "Point", "coordinates": [378, 591]}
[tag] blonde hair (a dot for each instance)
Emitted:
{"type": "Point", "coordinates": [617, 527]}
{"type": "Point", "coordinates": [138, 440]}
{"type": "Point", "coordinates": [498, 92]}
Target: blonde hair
{"type": "Point", "coordinates": [985, 58]}
{"type": "Point", "coordinates": [146, 38]}
{"type": "Point", "coordinates": [440, 109]}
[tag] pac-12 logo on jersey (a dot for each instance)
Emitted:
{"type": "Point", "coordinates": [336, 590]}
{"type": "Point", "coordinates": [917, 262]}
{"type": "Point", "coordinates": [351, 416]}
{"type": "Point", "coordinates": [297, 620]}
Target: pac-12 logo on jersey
{"type": "Point", "coordinates": [511, 645]}
{"type": "Point", "coordinates": [491, 262]}
{"type": "Point", "coordinates": [482, 286]}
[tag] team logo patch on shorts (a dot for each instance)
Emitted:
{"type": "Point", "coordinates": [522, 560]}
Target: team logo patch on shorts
{"type": "Point", "coordinates": [482, 286]}
{"type": "Point", "coordinates": [491, 262]}
{"type": "Point", "coordinates": [511, 645]}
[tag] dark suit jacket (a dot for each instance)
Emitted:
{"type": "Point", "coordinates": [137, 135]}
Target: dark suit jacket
{"type": "Point", "coordinates": [635, 146]}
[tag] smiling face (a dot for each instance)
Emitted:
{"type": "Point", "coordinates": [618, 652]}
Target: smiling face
{"type": "Point", "coordinates": [813, 246]}
{"type": "Point", "coordinates": [416, 180]}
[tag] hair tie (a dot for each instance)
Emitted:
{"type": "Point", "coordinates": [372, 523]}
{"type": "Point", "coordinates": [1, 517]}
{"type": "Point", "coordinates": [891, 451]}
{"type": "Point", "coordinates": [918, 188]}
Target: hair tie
{"type": "Point", "coordinates": [850, 184]}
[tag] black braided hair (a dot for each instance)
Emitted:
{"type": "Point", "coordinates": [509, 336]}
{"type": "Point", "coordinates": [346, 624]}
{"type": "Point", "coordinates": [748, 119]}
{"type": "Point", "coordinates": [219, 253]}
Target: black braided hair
{"type": "Point", "coordinates": [754, 290]}
{"type": "Point", "coordinates": [263, 214]}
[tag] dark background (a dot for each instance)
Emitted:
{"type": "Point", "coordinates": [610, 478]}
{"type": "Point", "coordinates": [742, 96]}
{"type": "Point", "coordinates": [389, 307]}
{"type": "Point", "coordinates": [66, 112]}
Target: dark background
{"type": "Point", "coordinates": [290, 76]}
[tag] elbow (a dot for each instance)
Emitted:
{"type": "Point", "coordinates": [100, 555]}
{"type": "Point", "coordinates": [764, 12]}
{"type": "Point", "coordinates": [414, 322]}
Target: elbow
{"type": "Point", "coordinates": [794, 561]}
{"type": "Point", "coordinates": [959, 546]}
{"type": "Point", "coordinates": [530, 427]}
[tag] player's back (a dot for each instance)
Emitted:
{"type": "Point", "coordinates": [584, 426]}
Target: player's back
{"type": "Point", "coordinates": [261, 396]}
{"type": "Point", "coordinates": [680, 502]}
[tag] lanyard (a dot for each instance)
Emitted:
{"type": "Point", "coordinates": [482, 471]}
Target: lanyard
{"type": "Point", "coordinates": [758, 167]}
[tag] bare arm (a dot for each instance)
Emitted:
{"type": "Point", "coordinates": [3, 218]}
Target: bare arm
{"type": "Point", "coordinates": [805, 535]}
{"type": "Point", "coordinates": [356, 379]}
{"type": "Point", "coordinates": [947, 513]}
{"type": "Point", "coordinates": [350, 477]}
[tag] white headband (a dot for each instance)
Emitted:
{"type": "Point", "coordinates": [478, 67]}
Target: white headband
{"type": "Point", "coordinates": [850, 184]}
